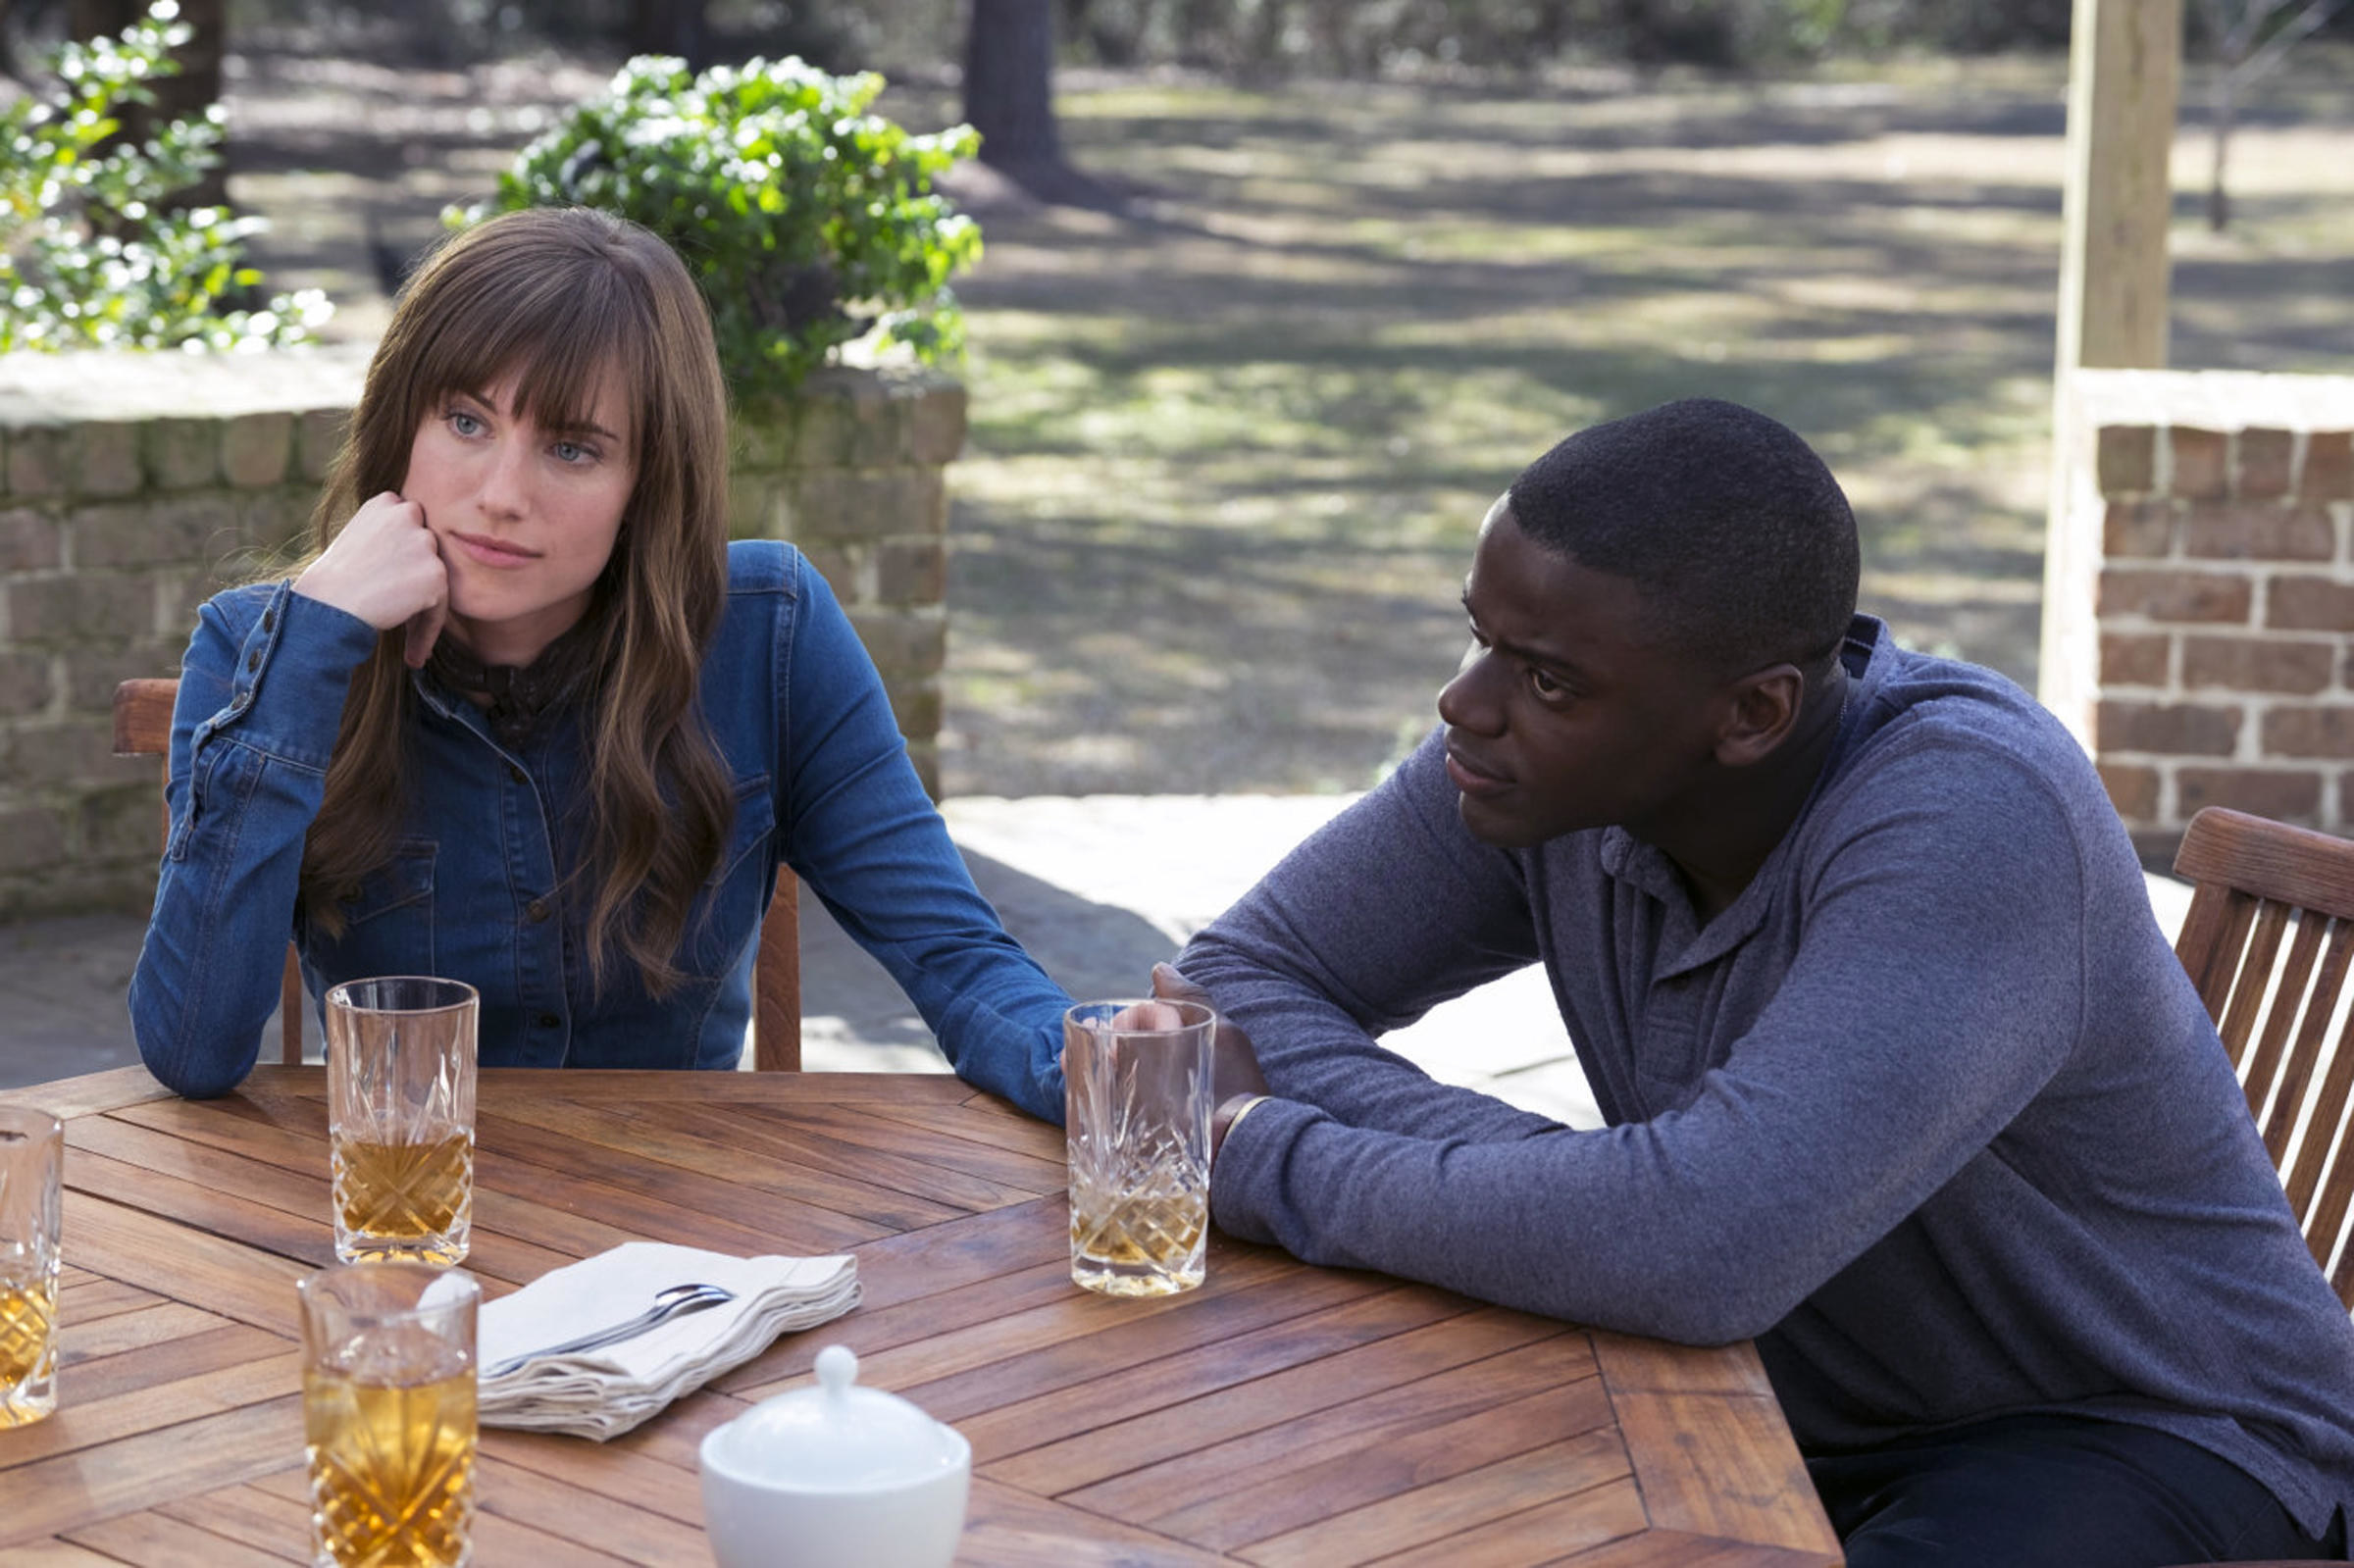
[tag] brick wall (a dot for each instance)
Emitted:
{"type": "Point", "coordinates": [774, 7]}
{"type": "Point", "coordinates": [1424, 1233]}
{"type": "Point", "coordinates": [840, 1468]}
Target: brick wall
{"type": "Point", "coordinates": [854, 473]}
{"type": "Point", "coordinates": [132, 487]}
{"type": "Point", "coordinates": [2199, 631]}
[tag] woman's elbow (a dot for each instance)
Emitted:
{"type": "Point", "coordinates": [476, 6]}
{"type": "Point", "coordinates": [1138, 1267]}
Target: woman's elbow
{"type": "Point", "coordinates": [190, 1080]}
{"type": "Point", "coordinates": [190, 1073]}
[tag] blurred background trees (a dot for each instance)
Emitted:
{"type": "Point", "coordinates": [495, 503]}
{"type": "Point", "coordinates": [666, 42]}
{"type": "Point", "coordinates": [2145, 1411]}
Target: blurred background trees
{"type": "Point", "coordinates": [2247, 41]}
{"type": "Point", "coordinates": [1244, 38]}
{"type": "Point", "coordinates": [102, 243]}
{"type": "Point", "coordinates": [189, 90]}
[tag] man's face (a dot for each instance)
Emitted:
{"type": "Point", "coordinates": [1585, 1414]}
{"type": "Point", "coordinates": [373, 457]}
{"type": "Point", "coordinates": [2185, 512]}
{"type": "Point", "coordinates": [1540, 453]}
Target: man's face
{"type": "Point", "coordinates": [1570, 711]}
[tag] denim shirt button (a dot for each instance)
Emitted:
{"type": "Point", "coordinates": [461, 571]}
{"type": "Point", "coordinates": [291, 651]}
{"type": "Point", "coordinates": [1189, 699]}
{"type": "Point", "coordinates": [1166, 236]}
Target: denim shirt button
{"type": "Point", "coordinates": [253, 660]}
{"type": "Point", "coordinates": [515, 772]}
{"type": "Point", "coordinates": [536, 911]}
{"type": "Point", "coordinates": [550, 1021]}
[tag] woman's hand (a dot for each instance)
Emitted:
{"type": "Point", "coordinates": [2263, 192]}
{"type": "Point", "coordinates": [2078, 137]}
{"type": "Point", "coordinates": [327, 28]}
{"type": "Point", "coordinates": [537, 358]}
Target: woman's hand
{"type": "Point", "coordinates": [385, 569]}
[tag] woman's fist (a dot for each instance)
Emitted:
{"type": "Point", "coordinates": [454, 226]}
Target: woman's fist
{"type": "Point", "coordinates": [385, 569]}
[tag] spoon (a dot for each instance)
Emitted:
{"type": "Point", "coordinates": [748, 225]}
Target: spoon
{"type": "Point", "coordinates": [675, 1302]}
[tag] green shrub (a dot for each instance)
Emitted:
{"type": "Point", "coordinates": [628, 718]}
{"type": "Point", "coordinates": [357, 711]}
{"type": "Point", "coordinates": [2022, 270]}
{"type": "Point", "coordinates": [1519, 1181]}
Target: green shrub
{"type": "Point", "coordinates": [90, 256]}
{"type": "Point", "coordinates": [808, 222]}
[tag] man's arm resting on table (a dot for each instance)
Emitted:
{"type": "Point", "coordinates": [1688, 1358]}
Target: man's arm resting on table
{"type": "Point", "coordinates": [1325, 953]}
{"type": "Point", "coordinates": [1889, 1057]}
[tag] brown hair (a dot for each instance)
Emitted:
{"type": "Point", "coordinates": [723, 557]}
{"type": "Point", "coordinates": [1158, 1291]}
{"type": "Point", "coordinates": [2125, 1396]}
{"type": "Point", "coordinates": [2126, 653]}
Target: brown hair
{"type": "Point", "coordinates": [558, 298]}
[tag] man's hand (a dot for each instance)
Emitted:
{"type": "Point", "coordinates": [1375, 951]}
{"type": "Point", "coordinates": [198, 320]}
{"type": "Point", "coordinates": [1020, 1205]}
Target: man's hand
{"type": "Point", "coordinates": [1234, 1075]}
{"type": "Point", "coordinates": [1233, 1060]}
{"type": "Point", "coordinates": [385, 569]}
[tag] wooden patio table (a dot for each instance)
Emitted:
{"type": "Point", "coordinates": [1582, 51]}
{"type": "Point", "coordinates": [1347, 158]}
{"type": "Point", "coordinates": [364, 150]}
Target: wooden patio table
{"type": "Point", "coordinates": [1281, 1414]}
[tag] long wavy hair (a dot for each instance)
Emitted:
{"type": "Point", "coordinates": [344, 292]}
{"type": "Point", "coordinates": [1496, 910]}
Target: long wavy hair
{"type": "Point", "coordinates": [559, 299]}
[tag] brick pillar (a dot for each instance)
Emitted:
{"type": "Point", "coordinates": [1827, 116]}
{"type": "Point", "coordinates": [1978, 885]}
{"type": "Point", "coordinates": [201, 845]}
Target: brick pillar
{"type": "Point", "coordinates": [2213, 663]}
{"type": "Point", "coordinates": [854, 472]}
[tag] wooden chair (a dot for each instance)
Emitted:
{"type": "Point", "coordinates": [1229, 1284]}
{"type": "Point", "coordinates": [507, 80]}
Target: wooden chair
{"type": "Point", "coordinates": [2283, 1016]}
{"type": "Point", "coordinates": [143, 727]}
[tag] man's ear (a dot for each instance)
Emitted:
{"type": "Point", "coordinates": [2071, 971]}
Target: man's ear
{"type": "Point", "coordinates": [1761, 709]}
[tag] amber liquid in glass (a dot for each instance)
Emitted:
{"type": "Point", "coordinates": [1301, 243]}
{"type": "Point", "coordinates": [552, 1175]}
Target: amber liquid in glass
{"type": "Point", "coordinates": [391, 1468]}
{"type": "Point", "coordinates": [406, 1200]}
{"type": "Point", "coordinates": [1143, 1241]}
{"type": "Point", "coordinates": [28, 1350]}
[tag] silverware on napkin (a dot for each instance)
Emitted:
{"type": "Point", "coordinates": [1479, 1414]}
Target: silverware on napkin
{"type": "Point", "coordinates": [675, 1302]}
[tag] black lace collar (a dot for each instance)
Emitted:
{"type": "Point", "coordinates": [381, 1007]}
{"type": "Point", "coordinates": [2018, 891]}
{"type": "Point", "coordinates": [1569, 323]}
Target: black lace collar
{"type": "Point", "coordinates": [522, 697]}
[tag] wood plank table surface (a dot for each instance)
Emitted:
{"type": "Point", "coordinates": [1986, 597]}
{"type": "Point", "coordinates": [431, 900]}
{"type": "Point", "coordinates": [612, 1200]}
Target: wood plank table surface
{"type": "Point", "coordinates": [1279, 1415]}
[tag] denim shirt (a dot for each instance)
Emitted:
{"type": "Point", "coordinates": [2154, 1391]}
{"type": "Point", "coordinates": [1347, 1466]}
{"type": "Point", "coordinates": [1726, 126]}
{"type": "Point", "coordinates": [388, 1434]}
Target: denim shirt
{"type": "Point", "coordinates": [823, 784]}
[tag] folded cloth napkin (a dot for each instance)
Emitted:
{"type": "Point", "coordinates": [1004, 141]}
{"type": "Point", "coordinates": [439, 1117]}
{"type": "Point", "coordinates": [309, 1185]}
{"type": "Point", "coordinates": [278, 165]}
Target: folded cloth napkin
{"type": "Point", "coordinates": [603, 1393]}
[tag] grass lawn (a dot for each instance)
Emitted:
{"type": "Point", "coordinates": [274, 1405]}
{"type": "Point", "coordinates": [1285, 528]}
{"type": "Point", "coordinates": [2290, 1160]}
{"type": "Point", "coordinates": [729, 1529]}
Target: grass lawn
{"type": "Point", "coordinates": [1227, 458]}
{"type": "Point", "coordinates": [1228, 454]}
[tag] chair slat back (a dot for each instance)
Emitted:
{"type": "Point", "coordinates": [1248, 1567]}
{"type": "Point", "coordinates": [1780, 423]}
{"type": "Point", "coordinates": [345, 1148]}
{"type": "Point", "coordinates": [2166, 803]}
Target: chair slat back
{"type": "Point", "coordinates": [143, 728]}
{"type": "Point", "coordinates": [777, 982]}
{"type": "Point", "coordinates": [2283, 1016]}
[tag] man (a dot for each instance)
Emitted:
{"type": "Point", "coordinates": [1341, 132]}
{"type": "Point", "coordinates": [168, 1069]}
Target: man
{"type": "Point", "coordinates": [1901, 1075]}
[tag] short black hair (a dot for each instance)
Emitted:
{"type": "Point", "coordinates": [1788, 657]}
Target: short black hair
{"type": "Point", "coordinates": [1731, 526]}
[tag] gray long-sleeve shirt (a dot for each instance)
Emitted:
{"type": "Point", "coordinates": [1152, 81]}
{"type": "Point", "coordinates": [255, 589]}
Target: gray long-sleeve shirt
{"type": "Point", "coordinates": [1931, 1111]}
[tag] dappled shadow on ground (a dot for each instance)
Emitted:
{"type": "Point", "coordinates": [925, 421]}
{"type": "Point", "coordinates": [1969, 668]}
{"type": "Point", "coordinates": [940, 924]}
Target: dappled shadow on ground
{"type": "Point", "coordinates": [1175, 659]}
{"type": "Point", "coordinates": [1228, 457]}
{"type": "Point", "coordinates": [1087, 948]}
{"type": "Point", "coordinates": [1230, 442]}
{"type": "Point", "coordinates": [352, 160]}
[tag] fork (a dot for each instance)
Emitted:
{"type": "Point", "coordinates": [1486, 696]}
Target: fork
{"type": "Point", "coordinates": [675, 1302]}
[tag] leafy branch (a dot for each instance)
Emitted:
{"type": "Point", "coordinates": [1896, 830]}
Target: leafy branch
{"type": "Point", "coordinates": [809, 222]}
{"type": "Point", "coordinates": [90, 253]}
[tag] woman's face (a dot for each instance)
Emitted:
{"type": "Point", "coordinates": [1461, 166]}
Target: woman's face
{"type": "Point", "coordinates": [525, 514]}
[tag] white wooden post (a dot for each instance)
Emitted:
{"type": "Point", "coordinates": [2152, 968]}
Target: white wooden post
{"type": "Point", "coordinates": [2124, 74]}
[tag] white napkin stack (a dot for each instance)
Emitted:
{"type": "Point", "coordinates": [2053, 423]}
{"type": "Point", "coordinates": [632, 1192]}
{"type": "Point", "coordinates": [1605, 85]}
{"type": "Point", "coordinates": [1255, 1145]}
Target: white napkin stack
{"type": "Point", "coordinates": [603, 1393]}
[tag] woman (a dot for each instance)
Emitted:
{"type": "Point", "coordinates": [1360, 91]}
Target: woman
{"type": "Point", "coordinates": [528, 720]}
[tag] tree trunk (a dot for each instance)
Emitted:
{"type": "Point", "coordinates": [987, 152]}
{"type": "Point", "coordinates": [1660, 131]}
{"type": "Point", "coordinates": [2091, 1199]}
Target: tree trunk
{"type": "Point", "coordinates": [10, 65]}
{"type": "Point", "coordinates": [671, 28]}
{"type": "Point", "coordinates": [196, 89]}
{"type": "Point", "coordinates": [2219, 199]}
{"type": "Point", "coordinates": [1009, 84]}
{"type": "Point", "coordinates": [1263, 50]}
{"type": "Point", "coordinates": [1328, 26]}
{"type": "Point", "coordinates": [1205, 33]}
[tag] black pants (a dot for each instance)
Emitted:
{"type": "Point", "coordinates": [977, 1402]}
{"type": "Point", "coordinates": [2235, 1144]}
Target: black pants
{"type": "Point", "coordinates": [2053, 1492]}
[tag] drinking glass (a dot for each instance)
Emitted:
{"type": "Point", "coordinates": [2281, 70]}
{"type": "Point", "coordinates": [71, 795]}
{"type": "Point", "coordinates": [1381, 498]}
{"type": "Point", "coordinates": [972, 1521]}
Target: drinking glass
{"type": "Point", "coordinates": [32, 1165]}
{"type": "Point", "coordinates": [400, 1117]}
{"type": "Point", "coordinates": [389, 1414]}
{"type": "Point", "coordinates": [1137, 1110]}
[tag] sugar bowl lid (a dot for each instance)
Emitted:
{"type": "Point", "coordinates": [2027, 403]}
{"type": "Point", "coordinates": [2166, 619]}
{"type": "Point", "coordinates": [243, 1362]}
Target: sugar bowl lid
{"type": "Point", "coordinates": [838, 1436]}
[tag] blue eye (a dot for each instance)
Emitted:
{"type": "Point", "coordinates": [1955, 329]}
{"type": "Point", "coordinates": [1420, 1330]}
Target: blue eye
{"type": "Point", "coordinates": [463, 423]}
{"type": "Point", "coordinates": [572, 453]}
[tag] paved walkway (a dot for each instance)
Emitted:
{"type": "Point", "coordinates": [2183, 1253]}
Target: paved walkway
{"type": "Point", "coordinates": [1098, 887]}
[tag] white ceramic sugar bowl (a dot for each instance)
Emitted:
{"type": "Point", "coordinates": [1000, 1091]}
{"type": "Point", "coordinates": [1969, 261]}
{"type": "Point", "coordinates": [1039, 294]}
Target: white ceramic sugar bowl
{"type": "Point", "coordinates": [837, 1476]}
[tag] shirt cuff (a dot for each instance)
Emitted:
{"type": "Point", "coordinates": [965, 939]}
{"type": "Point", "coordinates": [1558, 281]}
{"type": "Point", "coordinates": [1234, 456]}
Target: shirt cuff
{"type": "Point", "coordinates": [1246, 1174]}
{"type": "Point", "coordinates": [293, 675]}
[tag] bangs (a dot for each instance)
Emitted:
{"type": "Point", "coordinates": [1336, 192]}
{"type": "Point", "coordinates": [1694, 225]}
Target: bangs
{"type": "Point", "coordinates": [558, 323]}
